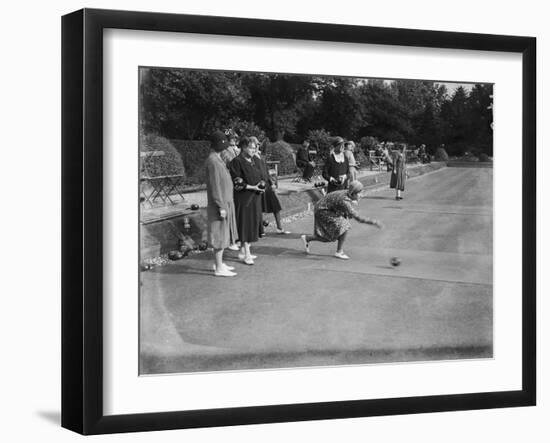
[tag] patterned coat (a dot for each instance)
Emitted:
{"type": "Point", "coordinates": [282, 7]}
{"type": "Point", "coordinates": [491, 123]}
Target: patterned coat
{"type": "Point", "coordinates": [332, 214]}
{"type": "Point", "coordinates": [219, 191]}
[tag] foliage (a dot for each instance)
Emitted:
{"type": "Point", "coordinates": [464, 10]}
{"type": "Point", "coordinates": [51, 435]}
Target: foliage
{"type": "Point", "coordinates": [277, 101]}
{"type": "Point", "coordinates": [484, 157]}
{"type": "Point", "coordinates": [193, 155]}
{"type": "Point", "coordinates": [245, 128]}
{"type": "Point", "coordinates": [185, 104]}
{"type": "Point", "coordinates": [361, 158]}
{"type": "Point", "coordinates": [321, 141]}
{"type": "Point", "coordinates": [441, 155]}
{"type": "Point", "coordinates": [282, 152]}
{"type": "Point", "coordinates": [170, 163]}
{"type": "Point", "coordinates": [368, 143]}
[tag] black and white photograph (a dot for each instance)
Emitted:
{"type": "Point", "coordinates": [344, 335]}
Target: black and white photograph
{"type": "Point", "coordinates": [302, 220]}
{"type": "Point", "coordinates": [275, 221]}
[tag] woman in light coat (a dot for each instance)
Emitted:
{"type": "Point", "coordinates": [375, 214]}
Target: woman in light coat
{"type": "Point", "coordinates": [222, 228]}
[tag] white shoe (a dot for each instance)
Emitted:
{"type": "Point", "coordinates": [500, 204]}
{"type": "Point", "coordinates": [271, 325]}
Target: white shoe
{"type": "Point", "coordinates": [341, 255]}
{"type": "Point", "coordinates": [224, 266]}
{"type": "Point", "coordinates": [248, 260]}
{"type": "Point", "coordinates": [242, 256]}
{"type": "Point", "coordinates": [306, 243]}
{"type": "Point", "coordinates": [282, 231]}
{"type": "Point", "coordinates": [224, 273]}
{"type": "Point", "coordinates": [233, 247]}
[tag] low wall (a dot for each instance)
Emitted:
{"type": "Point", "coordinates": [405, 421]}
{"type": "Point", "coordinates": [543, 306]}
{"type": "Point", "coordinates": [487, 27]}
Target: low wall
{"type": "Point", "coordinates": [463, 164]}
{"type": "Point", "coordinates": [161, 236]}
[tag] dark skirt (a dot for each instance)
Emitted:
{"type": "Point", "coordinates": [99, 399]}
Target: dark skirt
{"type": "Point", "coordinates": [331, 187]}
{"type": "Point", "coordinates": [270, 202]}
{"type": "Point", "coordinates": [397, 179]}
{"type": "Point", "coordinates": [248, 211]}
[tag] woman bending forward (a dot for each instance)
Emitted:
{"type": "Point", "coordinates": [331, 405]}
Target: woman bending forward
{"type": "Point", "coordinates": [332, 216]}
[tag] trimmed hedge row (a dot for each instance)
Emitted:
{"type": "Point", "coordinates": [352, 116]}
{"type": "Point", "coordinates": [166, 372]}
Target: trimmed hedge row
{"type": "Point", "coordinates": [193, 154]}
{"type": "Point", "coordinates": [281, 151]}
{"type": "Point", "coordinates": [170, 163]}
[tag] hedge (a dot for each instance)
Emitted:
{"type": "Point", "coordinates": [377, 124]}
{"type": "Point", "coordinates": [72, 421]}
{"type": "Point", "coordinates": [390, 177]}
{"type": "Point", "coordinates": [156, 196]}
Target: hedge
{"type": "Point", "coordinates": [193, 155]}
{"type": "Point", "coordinates": [281, 151]}
{"type": "Point", "coordinates": [168, 164]}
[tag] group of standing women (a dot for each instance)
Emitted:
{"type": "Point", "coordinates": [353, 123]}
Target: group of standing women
{"type": "Point", "coordinates": [239, 191]}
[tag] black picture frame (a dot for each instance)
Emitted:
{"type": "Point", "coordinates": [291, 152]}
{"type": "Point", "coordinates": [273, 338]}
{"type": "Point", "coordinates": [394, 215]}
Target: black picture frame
{"type": "Point", "coordinates": [82, 218]}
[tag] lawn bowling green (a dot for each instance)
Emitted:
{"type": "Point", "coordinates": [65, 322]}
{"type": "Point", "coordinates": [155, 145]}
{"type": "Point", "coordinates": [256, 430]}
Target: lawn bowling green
{"type": "Point", "coordinates": [291, 309]}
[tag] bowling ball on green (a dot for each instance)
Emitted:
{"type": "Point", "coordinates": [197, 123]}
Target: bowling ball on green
{"type": "Point", "coordinates": [395, 261]}
{"type": "Point", "coordinates": [194, 207]}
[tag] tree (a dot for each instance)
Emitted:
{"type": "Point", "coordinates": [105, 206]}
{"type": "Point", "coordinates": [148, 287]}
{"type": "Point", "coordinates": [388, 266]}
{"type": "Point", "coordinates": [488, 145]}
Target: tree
{"type": "Point", "coordinates": [277, 101]}
{"type": "Point", "coordinates": [481, 116]}
{"type": "Point", "coordinates": [386, 117]}
{"type": "Point", "coordinates": [189, 104]}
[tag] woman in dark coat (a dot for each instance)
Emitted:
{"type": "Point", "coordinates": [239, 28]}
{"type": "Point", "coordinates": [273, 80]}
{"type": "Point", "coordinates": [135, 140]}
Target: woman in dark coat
{"type": "Point", "coordinates": [304, 161]}
{"type": "Point", "coordinates": [270, 201]}
{"type": "Point", "coordinates": [247, 195]}
{"type": "Point", "coordinates": [335, 171]}
{"type": "Point", "coordinates": [399, 172]}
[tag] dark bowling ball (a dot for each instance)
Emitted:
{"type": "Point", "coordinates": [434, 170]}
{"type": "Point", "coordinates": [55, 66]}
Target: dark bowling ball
{"type": "Point", "coordinates": [194, 207]}
{"type": "Point", "coordinates": [203, 246]}
{"type": "Point", "coordinates": [238, 183]}
{"type": "Point", "coordinates": [395, 261]}
{"type": "Point", "coordinates": [175, 255]}
{"type": "Point", "coordinates": [261, 185]}
{"type": "Point", "coordinates": [265, 223]}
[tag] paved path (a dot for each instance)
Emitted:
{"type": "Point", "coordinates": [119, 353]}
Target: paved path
{"type": "Point", "coordinates": [292, 309]}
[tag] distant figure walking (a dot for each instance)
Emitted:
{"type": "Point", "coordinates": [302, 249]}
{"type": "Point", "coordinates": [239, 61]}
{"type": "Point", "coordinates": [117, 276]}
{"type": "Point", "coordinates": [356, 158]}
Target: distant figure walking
{"type": "Point", "coordinates": [399, 172]}
{"type": "Point", "coordinates": [220, 210]}
{"type": "Point", "coordinates": [332, 216]}
{"type": "Point", "coordinates": [335, 171]}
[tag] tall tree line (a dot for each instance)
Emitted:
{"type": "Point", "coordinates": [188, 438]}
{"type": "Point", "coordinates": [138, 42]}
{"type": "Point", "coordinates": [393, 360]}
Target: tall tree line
{"type": "Point", "coordinates": [186, 104]}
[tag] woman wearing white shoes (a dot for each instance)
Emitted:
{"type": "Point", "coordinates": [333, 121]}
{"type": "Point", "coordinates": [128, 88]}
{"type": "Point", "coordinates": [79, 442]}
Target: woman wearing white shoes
{"type": "Point", "coordinates": [247, 194]}
{"type": "Point", "coordinates": [222, 229]}
{"type": "Point", "coordinates": [332, 216]}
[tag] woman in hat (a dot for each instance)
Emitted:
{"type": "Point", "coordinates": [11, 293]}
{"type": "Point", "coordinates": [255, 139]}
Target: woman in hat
{"type": "Point", "coordinates": [247, 194]}
{"type": "Point", "coordinates": [399, 172]}
{"type": "Point", "coordinates": [335, 171]}
{"type": "Point", "coordinates": [332, 216]}
{"type": "Point", "coordinates": [220, 210]}
{"type": "Point", "coordinates": [270, 201]}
